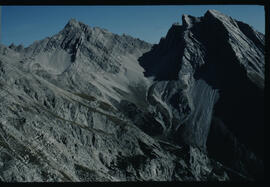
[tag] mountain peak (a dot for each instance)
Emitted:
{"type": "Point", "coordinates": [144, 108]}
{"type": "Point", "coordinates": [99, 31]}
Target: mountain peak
{"type": "Point", "coordinates": [188, 20]}
{"type": "Point", "coordinates": [73, 23]}
{"type": "Point", "coordinates": [215, 13]}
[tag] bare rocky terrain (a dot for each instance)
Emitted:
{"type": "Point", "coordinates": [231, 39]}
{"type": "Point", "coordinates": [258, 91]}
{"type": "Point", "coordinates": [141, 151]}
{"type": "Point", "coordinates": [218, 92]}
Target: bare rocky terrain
{"type": "Point", "coordinates": [90, 105]}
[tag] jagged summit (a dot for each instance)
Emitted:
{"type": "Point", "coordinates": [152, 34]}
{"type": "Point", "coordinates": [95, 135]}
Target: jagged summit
{"type": "Point", "coordinates": [78, 42]}
{"type": "Point", "coordinates": [214, 12]}
{"type": "Point", "coordinates": [73, 22]}
{"type": "Point", "coordinates": [77, 25]}
{"type": "Point", "coordinates": [82, 27]}
{"type": "Point", "coordinates": [222, 26]}
{"type": "Point", "coordinates": [188, 20]}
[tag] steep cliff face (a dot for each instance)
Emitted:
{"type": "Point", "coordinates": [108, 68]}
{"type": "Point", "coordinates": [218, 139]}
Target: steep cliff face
{"type": "Point", "coordinates": [90, 105]}
{"type": "Point", "coordinates": [221, 60]}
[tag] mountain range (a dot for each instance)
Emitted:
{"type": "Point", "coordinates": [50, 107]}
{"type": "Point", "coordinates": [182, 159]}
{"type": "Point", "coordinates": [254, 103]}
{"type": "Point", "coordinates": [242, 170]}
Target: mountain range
{"type": "Point", "coordinates": [90, 105]}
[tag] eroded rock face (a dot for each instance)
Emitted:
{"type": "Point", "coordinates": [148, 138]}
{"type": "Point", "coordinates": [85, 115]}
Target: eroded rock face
{"type": "Point", "coordinates": [90, 105]}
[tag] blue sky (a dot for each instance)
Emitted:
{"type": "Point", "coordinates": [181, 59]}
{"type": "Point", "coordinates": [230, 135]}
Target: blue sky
{"type": "Point", "coordinates": [25, 24]}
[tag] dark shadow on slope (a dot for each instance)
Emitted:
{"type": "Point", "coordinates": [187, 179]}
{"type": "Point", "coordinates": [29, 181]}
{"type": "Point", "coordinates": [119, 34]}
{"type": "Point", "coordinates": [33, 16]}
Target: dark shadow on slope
{"type": "Point", "coordinates": [241, 103]}
{"type": "Point", "coordinates": [164, 60]}
{"type": "Point", "coordinates": [240, 158]}
{"type": "Point", "coordinates": [240, 106]}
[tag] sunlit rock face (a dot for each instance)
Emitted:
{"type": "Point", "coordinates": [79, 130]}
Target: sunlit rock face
{"type": "Point", "coordinates": [90, 105]}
